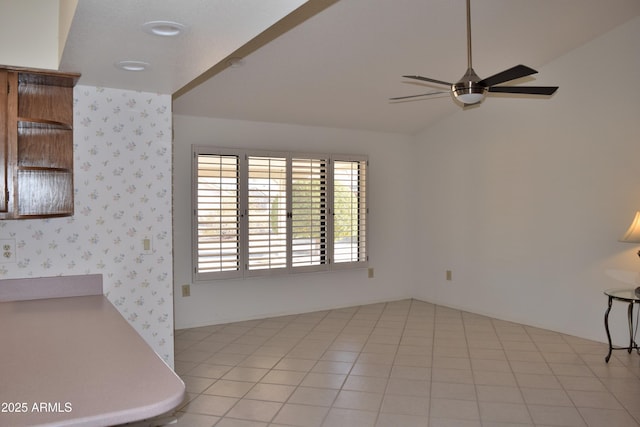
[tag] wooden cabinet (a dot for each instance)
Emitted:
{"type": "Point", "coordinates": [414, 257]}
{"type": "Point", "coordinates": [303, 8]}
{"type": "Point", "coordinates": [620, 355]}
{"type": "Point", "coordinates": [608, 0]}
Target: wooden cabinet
{"type": "Point", "coordinates": [36, 107]}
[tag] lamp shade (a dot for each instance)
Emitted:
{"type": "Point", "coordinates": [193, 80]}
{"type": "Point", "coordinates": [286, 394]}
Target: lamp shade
{"type": "Point", "coordinates": [633, 233]}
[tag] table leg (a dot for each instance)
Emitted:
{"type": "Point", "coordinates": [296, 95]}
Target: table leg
{"type": "Point", "coordinates": [606, 328]}
{"type": "Point", "coordinates": [630, 318]}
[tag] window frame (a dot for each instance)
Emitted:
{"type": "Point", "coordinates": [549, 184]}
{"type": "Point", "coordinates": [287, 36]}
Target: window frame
{"type": "Point", "coordinates": [244, 211]}
{"type": "Point", "coordinates": [206, 276]}
{"type": "Point", "coordinates": [328, 255]}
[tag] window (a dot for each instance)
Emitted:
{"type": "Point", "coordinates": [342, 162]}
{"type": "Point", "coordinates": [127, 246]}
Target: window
{"type": "Point", "coordinates": [350, 224]}
{"type": "Point", "coordinates": [309, 212]}
{"type": "Point", "coordinates": [259, 213]}
{"type": "Point", "coordinates": [217, 212]}
{"type": "Point", "coordinates": [267, 214]}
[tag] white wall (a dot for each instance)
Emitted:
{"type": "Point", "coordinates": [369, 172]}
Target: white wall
{"type": "Point", "coordinates": [524, 200]}
{"type": "Point", "coordinates": [390, 201]}
{"type": "Point", "coordinates": [29, 33]}
{"type": "Point", "coordinates": [67, 12]}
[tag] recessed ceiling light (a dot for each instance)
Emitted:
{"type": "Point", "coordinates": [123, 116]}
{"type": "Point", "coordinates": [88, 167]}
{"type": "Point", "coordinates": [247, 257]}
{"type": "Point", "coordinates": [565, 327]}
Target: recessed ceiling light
{"type": "Point", "coordinates": [164, 28]}
{"type": "Point", "coordinates": [132, 65]}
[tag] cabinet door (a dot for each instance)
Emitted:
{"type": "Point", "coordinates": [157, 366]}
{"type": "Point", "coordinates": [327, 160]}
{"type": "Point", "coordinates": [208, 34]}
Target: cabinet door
{"type": "Point", "coordinates": [45, 193]}
{"type": "Point", "coordinates": [4, 84]}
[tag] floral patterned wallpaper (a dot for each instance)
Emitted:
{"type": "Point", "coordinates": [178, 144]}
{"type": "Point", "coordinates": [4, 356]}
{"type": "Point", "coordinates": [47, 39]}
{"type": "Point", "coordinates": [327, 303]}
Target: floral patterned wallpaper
{"type": "Point", "coordinates": [122, 166]}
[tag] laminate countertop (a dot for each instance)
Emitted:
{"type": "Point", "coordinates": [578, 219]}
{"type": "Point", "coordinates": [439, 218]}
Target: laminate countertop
{"type": "Point", "coordinates": [76, 361]}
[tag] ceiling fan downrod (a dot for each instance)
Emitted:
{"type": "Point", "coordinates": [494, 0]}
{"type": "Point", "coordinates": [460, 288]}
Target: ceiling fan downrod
{"type": "Point", "coordinates": [467, 90]}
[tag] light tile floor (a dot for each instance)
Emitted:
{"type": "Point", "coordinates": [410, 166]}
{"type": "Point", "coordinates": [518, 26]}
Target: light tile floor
{"type": "Point", "coordinates": [400, 364]}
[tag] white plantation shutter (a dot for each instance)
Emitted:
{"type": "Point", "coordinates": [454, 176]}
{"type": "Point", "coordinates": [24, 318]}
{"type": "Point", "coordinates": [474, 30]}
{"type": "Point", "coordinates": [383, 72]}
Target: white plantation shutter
{"type": "Point", "coordinates": [267, 213]}
{"type": "Point", "coordinates": [257, 213]}
{"type": "Point", "coordinates": [217, 235]}
{"type": "Point", "coordinates": [349, 211]}
{"type": "Point", "coordinates": [309, 212]}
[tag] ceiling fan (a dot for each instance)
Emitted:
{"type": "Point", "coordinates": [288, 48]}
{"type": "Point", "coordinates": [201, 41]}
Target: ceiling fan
{"type": "Point", "coordinates": [471, 89]}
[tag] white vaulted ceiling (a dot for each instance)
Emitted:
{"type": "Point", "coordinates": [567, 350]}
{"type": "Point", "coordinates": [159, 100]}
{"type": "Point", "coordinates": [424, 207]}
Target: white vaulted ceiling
{"type": "Point", "coordinates": [332, 63]}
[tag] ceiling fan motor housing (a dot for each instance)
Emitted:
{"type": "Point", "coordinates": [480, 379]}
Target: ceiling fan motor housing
{"type": "Point", "coordinates": [468, 90]}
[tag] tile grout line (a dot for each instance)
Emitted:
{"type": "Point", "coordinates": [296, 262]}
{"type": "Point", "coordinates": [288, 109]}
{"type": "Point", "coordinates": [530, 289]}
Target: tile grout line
{"type": "Point", "coordinates": [433, 349]}
{"type": "Point", "coordinates": [395, 355]}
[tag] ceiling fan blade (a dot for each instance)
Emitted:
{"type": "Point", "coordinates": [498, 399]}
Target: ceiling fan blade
{"type": "Point", "coordinates": [426, 79]}
{"type": "Point", "coordinates": [530, 90]}
{"type": "Point", "coordinates": [507, 75]}
{"type": "Point", "coordinates": [415, 96]}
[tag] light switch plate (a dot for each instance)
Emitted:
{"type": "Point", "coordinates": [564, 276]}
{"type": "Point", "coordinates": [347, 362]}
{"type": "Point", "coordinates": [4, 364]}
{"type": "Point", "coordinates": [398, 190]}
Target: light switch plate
{"type": "Point", "coordinates": [147, 245]}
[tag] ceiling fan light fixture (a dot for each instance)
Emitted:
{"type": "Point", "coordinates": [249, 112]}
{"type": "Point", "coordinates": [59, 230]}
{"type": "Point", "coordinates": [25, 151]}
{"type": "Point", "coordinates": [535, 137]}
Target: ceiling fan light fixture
{"type": "Point", "coordinates": [468, 92]}
{"type": "Point", "coordinates": [469, 97]}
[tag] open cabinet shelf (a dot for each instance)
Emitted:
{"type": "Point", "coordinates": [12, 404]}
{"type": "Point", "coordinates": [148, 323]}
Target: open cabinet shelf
{"type": "Point", "coordinates": [37, 107]}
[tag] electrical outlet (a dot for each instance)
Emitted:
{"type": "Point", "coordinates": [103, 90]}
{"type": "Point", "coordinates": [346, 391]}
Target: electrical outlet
{"type": "Point", "coordinates": [7, 250]}
{"type": "Point", "coordinates": [186, 290]}
{"type": "Point", "coordinates": [448, 274]}
{"type": "Point", "coordinates": [370, 273]}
